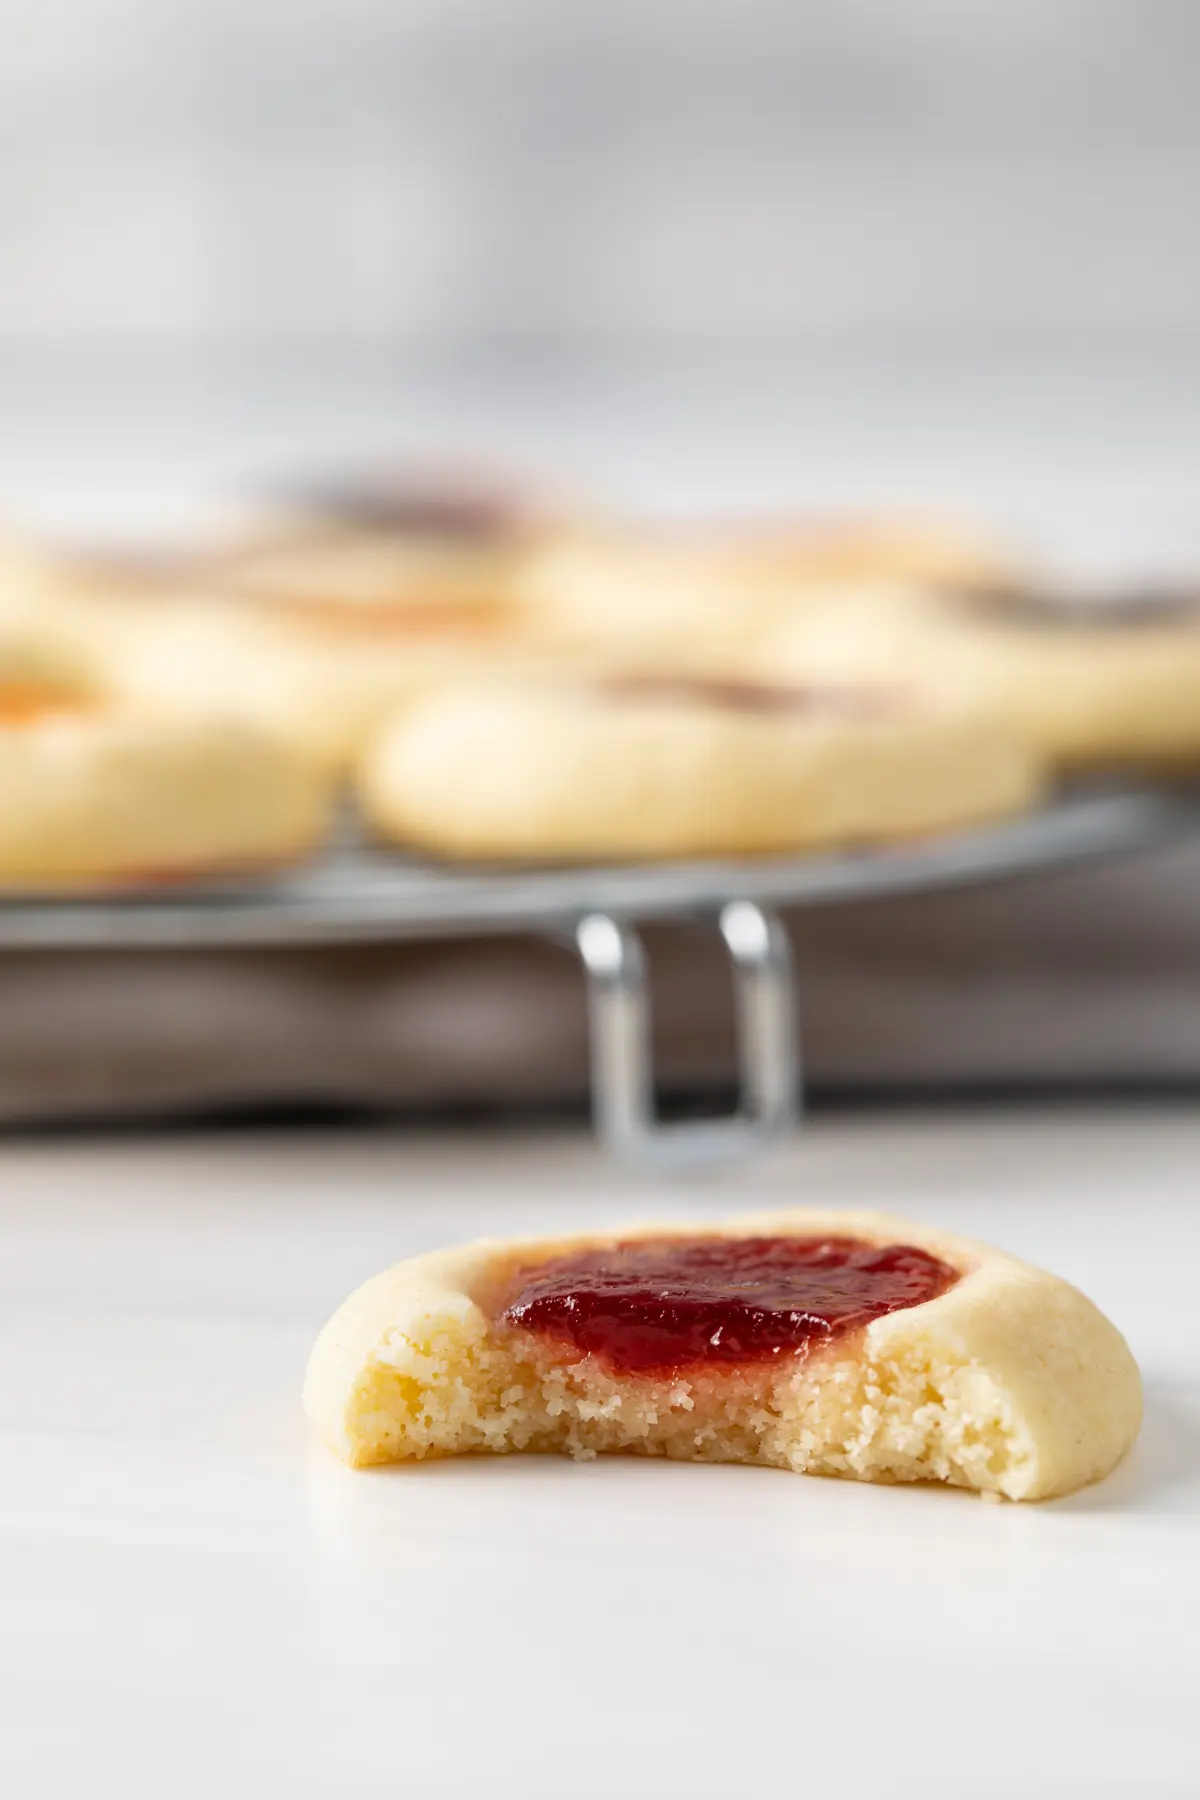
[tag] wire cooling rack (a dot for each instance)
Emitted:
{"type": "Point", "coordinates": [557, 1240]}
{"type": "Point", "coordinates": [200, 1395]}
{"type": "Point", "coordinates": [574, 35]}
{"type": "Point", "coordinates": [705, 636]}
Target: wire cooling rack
{"type": "Point", "coordinates": [355, 894]}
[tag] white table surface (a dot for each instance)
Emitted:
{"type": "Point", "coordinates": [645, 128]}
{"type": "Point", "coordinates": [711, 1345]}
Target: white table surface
{"type": "Point", "coordinates": [197, 1599]}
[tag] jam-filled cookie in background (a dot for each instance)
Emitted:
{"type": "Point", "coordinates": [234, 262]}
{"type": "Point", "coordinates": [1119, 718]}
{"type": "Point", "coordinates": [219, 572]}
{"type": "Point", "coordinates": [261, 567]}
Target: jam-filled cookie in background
{"type": "Point", "coordinates": [1090, 682]}
{"type": "Point", "coordinates": [834, 1343]}
{"type": "Point", "coordinates": [60, 612]}
{"type": "Point", "coordinates": [322, 623]}
{"type": "Point", "coordinates": [99, 792]}
{"type": "Point", "coordinates": [41, 662]}
{"type": "Point", "coordinates": [360, 581]}
{"type": "Point", "coordinates": [637, 766]}
{"type": "Point", "coordinates": [422, 555]}
{"type": "Point", "coordinates": [701, 593]}
{"type": "Point", "coordinates": [321, 699]}
{"type": "Point", "coordinates": [323, 688]}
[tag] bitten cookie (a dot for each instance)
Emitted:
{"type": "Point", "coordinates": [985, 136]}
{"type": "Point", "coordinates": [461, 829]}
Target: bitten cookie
{"type": "Point", "coordinates": [401, 553]}
{"type": "Point", "coordinates": [652, 767]}
{"type": "Point", "coordinates": [828, 1343]}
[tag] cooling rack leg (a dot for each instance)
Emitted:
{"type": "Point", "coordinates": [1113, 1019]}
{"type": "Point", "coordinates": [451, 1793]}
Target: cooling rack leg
{"type": "Point", "coordinates": [768, 1034]}
{"type": "Point", "coordinates": [622, 1059]}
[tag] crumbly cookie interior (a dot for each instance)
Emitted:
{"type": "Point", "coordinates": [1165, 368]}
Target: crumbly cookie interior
{"type": "Point", "coordinates": [464, 1385]}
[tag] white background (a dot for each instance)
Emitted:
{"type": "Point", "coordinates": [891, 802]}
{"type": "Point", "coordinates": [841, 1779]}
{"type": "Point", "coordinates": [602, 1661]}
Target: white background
{"type": "Point", "coordinates": [760, 251]}
{"type": "Point", "coordinates": [429, 177]}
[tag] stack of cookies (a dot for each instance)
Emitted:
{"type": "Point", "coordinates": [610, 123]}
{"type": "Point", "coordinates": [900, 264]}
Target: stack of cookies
{"type": "Point", "coordinates": [498, 680]}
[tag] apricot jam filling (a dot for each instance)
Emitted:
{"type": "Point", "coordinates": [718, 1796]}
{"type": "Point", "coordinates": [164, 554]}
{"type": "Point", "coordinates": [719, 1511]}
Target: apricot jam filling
{"type": "Point", "coordinates": [29, 705]}
{"type": "Point", "coordinates": [653, 1305]}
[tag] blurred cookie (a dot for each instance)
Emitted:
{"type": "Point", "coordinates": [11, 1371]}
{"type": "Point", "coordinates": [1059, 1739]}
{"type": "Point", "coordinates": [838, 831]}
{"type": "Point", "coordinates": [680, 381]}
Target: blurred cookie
{"type": "Point", "coordinates": [863, 550]}
{"type": "Point", "coordinates": [100, 795]}
{"type": "Point", "coordinates": [321, 691]}
{"type": "Point", "coordinates": [96, 791]}
{"type": "Point", "coordinates": [43, 652]}
{"type": "Point", "coordinates": [418, 555]}
{"type": "Point", "coordinates": [38, 657]}
{"type": "Point", "coordinates": [703, 594]}
{"type": "Point", "coordinates": [667, 601]}
{"type": "Point", "coordinates": [337, 612]}
{"type": "Point", "coordinates": [360, 581]}
{"type": "Point", "coordinates": [76, 608]}
{"type": "Point", "coordinates": [1110, 683]}
{"type": "Point", "coordinates": [651, 767]}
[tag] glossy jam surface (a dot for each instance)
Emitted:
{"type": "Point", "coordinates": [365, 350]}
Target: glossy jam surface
{"type": "Point", "coordinates": [658, 1304]}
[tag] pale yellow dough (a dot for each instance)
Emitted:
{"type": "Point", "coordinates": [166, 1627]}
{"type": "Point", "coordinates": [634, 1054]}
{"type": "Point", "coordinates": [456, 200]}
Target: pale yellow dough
{"type": "Point", "coordinates": [43, 643]}
{"type": "Point", "coordinates": [1011, 1382]}
{"type": "Point", "coordinates": [702, 595]}
{"type": "Point", "coordinates": [1082, 696]}
{"type": "Point", "coordinates": [105, 795]}
{"type": "Point", "coordinates": [375, 574]}
{"type": "Point", "coordinates": [321, 699]}
{"type": "Point", "coordinates": [311, 633]}
{"type": "Point", "coordinates": [98, 790]}
{"type": "Point", "coordinates": [321, 690]}
{"type": "Point", "coordinates": [660, 602]}
{"type": "Point", "coordinates": [574, 772]}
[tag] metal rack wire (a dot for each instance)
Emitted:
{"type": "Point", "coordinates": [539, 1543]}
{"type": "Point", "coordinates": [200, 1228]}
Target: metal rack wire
{"type": "Point", "coordinates": [359, 895]}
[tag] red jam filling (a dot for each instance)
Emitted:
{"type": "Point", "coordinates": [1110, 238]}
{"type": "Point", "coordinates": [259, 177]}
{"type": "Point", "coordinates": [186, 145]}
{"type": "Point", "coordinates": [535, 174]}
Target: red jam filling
{"type": "Point", "coordinates": [659, 1304]}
